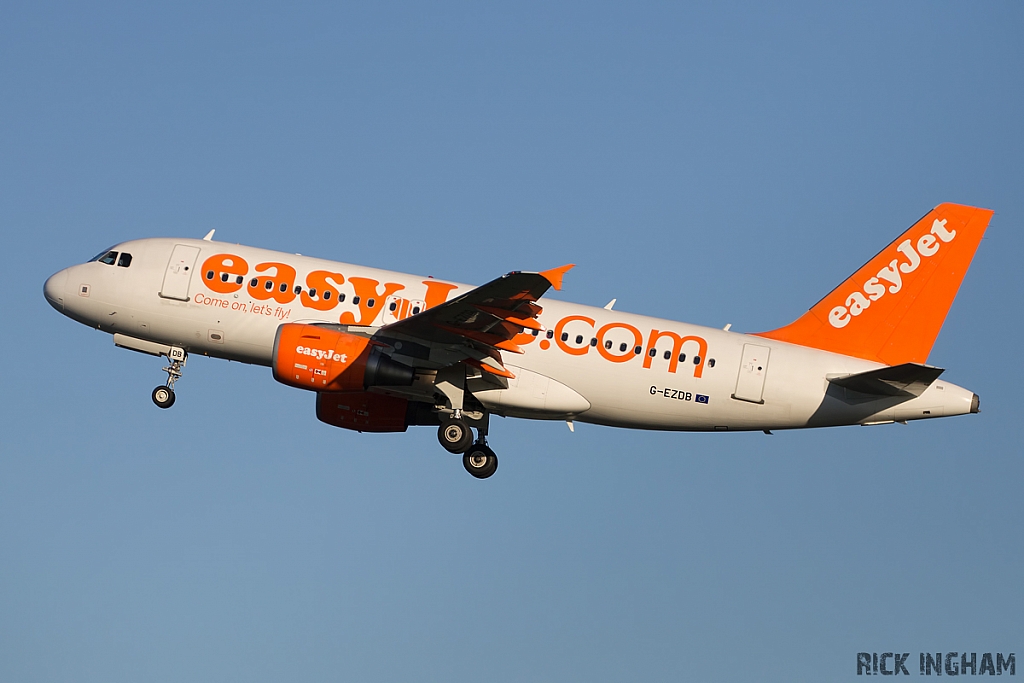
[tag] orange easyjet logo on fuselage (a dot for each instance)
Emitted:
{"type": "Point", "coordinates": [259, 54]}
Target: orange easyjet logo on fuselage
{"type": "Point", "coordinates": [616, 342]}
{"type": "Point", "coordinates": [228, 273]}
{"type": "Point", "coordinates": [890, 278]}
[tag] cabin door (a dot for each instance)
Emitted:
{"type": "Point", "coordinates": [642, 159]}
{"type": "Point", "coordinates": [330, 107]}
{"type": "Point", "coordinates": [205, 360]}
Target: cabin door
{"type": "Point", "coordinates": [179, 272]}
{"type": "Point", "coordinates": [753, 368]}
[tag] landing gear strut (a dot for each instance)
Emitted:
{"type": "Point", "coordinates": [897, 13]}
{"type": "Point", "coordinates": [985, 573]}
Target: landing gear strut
{"type": "Point", "coordinates": [163, 396]}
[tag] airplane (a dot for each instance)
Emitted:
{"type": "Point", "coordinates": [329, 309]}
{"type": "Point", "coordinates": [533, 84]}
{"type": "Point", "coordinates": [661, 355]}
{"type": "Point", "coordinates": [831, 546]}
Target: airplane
{"type": "Point", "coordinates": [383, 351]}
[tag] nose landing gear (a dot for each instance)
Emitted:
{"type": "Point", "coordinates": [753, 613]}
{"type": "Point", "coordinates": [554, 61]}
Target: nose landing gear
{"type": "Point", "coordinates": [163, 396]}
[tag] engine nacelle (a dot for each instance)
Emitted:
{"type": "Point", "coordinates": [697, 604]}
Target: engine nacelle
{"type": "Point", "coordinates": [363, 411]}
{"type": "Point", "coordinates": [322, 359]}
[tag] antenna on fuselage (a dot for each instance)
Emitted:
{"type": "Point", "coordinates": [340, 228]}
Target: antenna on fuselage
{"type": "Point", "coordinates": [209, 235]}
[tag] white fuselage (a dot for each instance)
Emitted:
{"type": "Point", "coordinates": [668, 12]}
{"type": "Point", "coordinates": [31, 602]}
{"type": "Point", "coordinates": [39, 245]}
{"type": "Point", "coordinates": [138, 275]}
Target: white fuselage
{"type": "Point", "coordinates": [583, 365]}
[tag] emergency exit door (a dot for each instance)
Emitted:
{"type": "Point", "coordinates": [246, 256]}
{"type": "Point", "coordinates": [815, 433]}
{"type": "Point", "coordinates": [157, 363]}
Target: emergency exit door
{"type": "Point", "coordinates": [179, 272]}
{"type": "Point", "coordinates": [753, 368]}
{"type": "Point", "coordinates": [397, 308]}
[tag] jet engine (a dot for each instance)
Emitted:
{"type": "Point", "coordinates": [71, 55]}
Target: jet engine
{"type": "Point", "coordinates": [322, 359]}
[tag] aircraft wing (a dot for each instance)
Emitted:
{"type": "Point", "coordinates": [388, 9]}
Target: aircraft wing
{"type": "Point", "coordinates": [485, 319]}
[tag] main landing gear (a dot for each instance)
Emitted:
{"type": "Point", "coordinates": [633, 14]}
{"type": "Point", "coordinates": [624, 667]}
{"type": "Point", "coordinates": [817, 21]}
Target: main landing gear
{"type": "Point", "coordinates": [163, 396]}
{"type": "Point", "coordinates": [456, 436]}
{"type": "Point", "coordinates": [480, 461]}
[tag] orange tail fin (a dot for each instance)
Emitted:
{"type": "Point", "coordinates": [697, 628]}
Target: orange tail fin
{"type": "Point", "coordinates": [891, 309]}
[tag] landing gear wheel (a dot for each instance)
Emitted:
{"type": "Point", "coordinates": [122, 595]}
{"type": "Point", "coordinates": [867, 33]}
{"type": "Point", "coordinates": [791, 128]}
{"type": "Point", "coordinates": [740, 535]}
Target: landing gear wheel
{"type": "Point", "coordinates": [163, 397]}
{"type": "Point", "coordinates": [480, 461]}
{"type": "Point", "coordinates": [455, 435]}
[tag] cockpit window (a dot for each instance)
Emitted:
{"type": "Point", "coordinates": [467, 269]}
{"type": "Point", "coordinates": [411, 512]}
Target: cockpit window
{"type": "Point", "coordinates": [108, 258]}
{"type": "Point", "coordinates": [105, 252]}
{"type": "Point", "coordinates": [124, 260]}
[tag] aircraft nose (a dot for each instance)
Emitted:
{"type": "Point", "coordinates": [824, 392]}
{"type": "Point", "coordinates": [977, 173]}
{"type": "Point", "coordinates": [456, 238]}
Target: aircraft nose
{"type": "Point", "coordinates": [54, 288]}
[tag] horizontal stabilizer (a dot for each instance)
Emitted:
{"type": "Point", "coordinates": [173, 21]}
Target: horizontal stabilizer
{"type": "Point", "coordinates": [896, 380]}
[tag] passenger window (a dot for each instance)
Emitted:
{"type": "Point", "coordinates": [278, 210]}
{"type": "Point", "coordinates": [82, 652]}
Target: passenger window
{"type": "Point", "coordinates": [298, 290]}
{"type": "Point", "coordinates": [638, 350]}
{"type": "Point", "coordinates": [608, 344]}
{"type": "Point", "coordinates": [711, 362]}
{"type": "Point", "coordinates": [312, 292]}
{"type": "Point", "coordinates": [370, 303]}
{"type": "Point", "coordinates": [109, 258]}
{"type": "Point", "coordinates": [653, 353]}
{"type": "Point", "coordinates": [209, 275]}
{"type": "Point", "coordinates": [550, 334]}
{"type": "Point", "coordinates": [254, 283]}
{"type": "Point", "coordinates": [223, 277]}
{"type": "Point", "coordinates": [579, 338]}
{"type": "Point", "coordinates": [415, 310]}
{"type": "Point", "coordinates": [284, 287]}
{"type": "Point", "coordinates": [327, 296]}
{"type": "Point", "coordinates": [536, 332]}
{"type": "Point", "coordinates": [682, 358]}
{"type": "Point", "coordinates": [623, 346]}
{"type": "Point", "coordinates": [341, 298]}
{"type": "Point", "coordinates": [239, 280]}
{"type": "Point", "coordinates": [125, 260]}
{"type": "Point", "coordinates": [668, 354]}
{"type": "Point", "coordinates": [593, 342]}
{"type": "Point", "coordinates": [565, 336]}
{"type": "Point", "coordinates": [696, 360]}
{"type": "Point", "coordinates": [270, 285]}
{"type": "Point", "coordinates": [393, 306]}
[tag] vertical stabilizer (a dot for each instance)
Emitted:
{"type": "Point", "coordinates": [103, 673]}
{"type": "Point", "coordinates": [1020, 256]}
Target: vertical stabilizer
{"type": "Point", "coordinates": [891, 309]}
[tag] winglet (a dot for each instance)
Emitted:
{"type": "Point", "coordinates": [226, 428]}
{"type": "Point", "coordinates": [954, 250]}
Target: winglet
{"type": "Point", "coordinates": [209, 235]}
{"type": "Point", "coordinates": [555, 275]}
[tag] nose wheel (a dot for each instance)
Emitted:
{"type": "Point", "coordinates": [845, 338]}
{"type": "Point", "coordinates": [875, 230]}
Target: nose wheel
{"type": "Point", "coordinates": [163, 396]}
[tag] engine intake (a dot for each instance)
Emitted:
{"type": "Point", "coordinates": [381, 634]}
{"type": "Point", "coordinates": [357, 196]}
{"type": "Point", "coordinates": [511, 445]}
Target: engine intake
{"type": "Point", "coordinates": [322, 359]}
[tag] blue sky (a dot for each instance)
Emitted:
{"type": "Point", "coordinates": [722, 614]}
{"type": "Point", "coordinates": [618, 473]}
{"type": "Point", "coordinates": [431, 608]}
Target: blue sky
{"type": "Point", "coordinates": [716, 163]}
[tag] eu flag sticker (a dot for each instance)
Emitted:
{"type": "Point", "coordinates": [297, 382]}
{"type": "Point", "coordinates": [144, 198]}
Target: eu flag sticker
{"type": "Point", "coordinates": [701, 398]}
